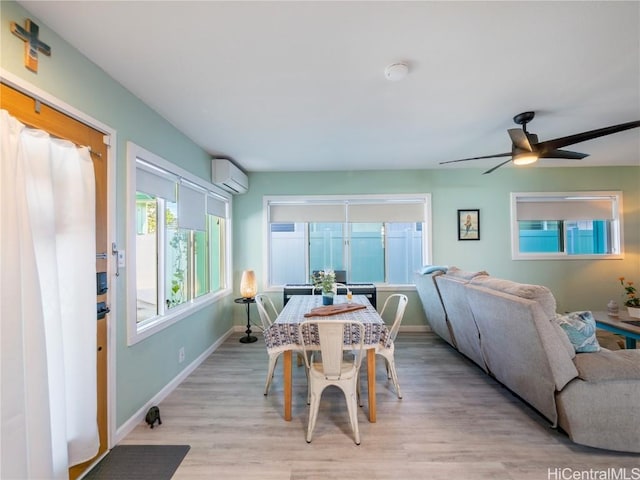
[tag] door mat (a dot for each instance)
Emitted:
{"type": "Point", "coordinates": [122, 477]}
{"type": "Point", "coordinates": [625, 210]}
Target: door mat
{"type": "Point", "coordinates": [139, 462]}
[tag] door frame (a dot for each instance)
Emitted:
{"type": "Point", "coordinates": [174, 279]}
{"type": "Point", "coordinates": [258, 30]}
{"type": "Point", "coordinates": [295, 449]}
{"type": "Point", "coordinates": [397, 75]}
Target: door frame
{"type": "Point", "coordinates": [28, 88]}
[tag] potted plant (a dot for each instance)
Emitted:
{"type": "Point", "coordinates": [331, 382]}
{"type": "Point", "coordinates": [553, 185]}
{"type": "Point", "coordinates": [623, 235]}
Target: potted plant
{"type": "Point", "coordinates": [326, 281]}
{"type": "Point", "coordinates": [631, 300]}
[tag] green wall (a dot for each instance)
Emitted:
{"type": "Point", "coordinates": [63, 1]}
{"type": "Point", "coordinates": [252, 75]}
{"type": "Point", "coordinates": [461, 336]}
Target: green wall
{"type": "Point", "coordinates": [576, 284]}
{"type": "Point", "coordinates": [142, 370]}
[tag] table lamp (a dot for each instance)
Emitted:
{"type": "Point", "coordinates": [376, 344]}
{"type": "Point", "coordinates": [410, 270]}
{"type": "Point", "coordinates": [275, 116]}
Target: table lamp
{"type": "Point", "coordinates": [248, 287]}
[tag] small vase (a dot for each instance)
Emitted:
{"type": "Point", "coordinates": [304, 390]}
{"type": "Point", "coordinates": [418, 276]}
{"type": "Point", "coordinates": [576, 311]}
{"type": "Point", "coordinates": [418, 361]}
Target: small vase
{"type": "Point", "coordinates": [327, 298]}
{"type": "Point", "coordinates": [634, 312]}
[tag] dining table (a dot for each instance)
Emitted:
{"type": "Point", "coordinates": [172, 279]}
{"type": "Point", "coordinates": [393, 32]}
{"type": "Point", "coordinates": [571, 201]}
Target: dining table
{"type": "Point", "coordinates": [282, 337]}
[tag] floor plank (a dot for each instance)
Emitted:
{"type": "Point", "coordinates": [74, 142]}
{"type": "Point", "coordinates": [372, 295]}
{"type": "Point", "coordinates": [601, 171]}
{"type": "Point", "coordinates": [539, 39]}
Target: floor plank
{"type": "Point", "coordinates": [454, 422]}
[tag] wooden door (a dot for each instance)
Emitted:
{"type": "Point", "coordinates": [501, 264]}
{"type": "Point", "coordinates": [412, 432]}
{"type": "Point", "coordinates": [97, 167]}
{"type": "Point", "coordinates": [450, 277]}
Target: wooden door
{"type": "Point", "coordinates": [41, 116]}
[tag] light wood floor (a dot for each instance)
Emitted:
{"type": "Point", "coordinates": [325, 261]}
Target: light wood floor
{"type": "Point", "coordinates": [454, 422]}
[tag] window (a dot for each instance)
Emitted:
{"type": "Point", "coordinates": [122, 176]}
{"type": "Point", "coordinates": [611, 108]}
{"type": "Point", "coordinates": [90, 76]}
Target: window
{"type": "Point", "coordinates": [566, 225]}
{"type": "Point", "coordinates": [178, 253]}
{"type": "Point", "coordinates": [375, 239]}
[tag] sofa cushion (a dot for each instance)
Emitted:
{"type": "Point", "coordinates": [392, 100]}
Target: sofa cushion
{"type": "Point", "coordinates": [463, 274]}
{"type": "Point", "coordinates": [608, 365]}
{"type": "Point", "coordinates": [581, 330]}
{"type": "Point", "coordinates": [427, 269]}
{"type": "Point", "coordinates": [537, 293]}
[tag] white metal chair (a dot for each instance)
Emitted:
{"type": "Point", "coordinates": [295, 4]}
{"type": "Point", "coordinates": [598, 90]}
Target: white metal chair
{"type": "Point", "coordinates": [332, 368]}
{"type": "Point", "coordinates": [268, 313]}
{"type": "Point", "coordinates": [387, 349]}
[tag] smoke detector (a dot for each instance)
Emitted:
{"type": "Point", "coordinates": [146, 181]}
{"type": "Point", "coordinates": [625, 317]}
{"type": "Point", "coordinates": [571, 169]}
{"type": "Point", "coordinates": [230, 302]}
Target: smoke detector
{"type": "Point", "coordinates": [396, 71]}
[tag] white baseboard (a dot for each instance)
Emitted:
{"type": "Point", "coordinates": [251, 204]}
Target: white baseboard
{"type": "Point", "coordinates": [128, 426]}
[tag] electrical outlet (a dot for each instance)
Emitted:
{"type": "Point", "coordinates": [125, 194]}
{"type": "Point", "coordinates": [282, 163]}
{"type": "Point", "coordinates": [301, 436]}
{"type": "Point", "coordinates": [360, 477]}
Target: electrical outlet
{"type": "Point", "coordinates": [181, 355]}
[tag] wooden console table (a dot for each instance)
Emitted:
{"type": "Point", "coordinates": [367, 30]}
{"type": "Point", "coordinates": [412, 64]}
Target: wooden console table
{"type": "Point", "coordinates": [620, 325]}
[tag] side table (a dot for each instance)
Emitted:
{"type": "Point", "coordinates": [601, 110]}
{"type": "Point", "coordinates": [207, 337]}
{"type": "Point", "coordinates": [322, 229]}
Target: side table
{"type": "Point", "coordinates": [248, 338]}
{"type": "Point", "coordinates": [622, 325]}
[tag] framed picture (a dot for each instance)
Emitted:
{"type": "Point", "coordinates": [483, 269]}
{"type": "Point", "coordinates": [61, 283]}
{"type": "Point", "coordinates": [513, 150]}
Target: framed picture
{"type": "Point", "coordinates": [468, 224]}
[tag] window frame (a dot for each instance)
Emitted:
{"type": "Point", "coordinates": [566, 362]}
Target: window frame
{"type": "Point", "coordinates": [137, 332]}
{"type": "Point", "coordinates": [267, 200]}
{"type": "Point", "coordinates": [617, 226]}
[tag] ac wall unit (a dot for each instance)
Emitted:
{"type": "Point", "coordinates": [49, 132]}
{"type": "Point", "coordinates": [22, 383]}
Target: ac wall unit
{"type": "Point", "coordinates": [229, 177]}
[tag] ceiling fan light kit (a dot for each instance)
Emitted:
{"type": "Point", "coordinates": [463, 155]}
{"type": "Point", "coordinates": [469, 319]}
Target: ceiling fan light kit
{"type": "Point", "coordinates": [526, 149]}
{"type": "Point", "coordinates": [525, 159]}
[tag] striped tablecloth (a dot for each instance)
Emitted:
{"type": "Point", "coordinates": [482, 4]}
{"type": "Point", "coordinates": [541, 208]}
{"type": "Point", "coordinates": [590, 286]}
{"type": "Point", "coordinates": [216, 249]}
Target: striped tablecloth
{"type": "Point", "coordinates": [283, 334]}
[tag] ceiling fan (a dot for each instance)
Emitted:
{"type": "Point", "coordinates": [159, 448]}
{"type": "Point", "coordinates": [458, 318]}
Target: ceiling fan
{"type": "Point", "coordinates": [526, 149]}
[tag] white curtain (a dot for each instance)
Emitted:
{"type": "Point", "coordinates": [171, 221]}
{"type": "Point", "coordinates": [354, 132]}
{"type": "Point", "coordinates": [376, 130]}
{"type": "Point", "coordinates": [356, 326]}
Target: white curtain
{"type": "Point", "coordinates": [47, 304]}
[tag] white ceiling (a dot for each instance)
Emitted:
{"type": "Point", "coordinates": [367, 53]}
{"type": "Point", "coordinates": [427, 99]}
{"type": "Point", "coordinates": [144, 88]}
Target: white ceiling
{"type": "Point", "coordinates": [300, 85]}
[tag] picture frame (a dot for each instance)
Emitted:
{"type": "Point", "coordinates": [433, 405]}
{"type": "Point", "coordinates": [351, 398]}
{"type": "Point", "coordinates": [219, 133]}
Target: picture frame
{"type": "Point", "coordinates": [469, 224]}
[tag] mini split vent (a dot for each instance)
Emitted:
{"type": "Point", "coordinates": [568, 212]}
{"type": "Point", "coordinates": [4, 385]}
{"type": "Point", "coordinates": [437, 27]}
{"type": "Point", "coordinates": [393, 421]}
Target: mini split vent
{"type": "Point", "coordinates": [229, 177]}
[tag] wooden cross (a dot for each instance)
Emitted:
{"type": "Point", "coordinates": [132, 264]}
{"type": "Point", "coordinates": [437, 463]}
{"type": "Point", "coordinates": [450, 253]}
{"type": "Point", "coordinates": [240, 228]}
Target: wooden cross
{"type": "Point", "coordinates": [32, 44]}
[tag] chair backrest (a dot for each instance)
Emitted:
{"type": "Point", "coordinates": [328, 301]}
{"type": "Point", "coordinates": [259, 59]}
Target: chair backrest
{"type": "Point", "coordinates": [266, 309]}
{"type": "Point", "coordinates": [341, 275]}
{"type": "Point", "coordinates": [341, 285]}
{"type": "Point", "coordinates": [397, 319]}
{"type": "Point", "coordinates": [332, 337]}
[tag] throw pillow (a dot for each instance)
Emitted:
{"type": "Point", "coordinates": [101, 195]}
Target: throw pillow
{"type": "Point", "coordinates": [432, 268]}
{"type": "Point", "coordinates": [580, 327]}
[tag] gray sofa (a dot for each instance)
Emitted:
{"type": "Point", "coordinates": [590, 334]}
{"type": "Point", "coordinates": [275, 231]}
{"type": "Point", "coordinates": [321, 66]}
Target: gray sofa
{"type": "Point", "coordinates": [510, 330]}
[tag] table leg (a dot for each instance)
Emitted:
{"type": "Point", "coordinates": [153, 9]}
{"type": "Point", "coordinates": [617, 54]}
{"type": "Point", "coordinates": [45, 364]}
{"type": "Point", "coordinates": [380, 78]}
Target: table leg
{"type": "Point", "coordinates": [371, 380]}
{"type": "Point", "coordinates": [287, 365]}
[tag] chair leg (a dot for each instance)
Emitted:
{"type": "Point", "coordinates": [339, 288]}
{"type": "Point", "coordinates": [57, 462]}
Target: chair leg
{"type": "Point", "coordinates": [352, 408]}
{"type": "Point", "coordinates": [313, 414]}
{"type": "Point", "coordinates": [271, 369]}
{"type": "Point", "coordinates": [394, 376]}
{"type": "Point", "coordinates": [358, 394]}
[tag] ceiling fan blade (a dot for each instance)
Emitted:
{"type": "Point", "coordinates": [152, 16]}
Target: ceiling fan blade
{"type": "Point", "coordinates": [496, 167]}
{"type": "Point", "coordinates": [564, 154]}
{"type": "Point", "coordinates": [520, 139]}
{"type": "Point", "coordinates": [497, 155]}
{"type": "Point", "coordinates": [556, 143]}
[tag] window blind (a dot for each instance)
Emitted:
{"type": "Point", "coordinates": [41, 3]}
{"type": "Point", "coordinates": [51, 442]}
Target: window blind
{"type": "Point", "coordinates": [281, 213]}
{"type": "Point", "coordinates": [351, 211]}
{"type": "Point", "coordinates": [216, 207]}
{"type": "Point", "coordinates": [386, 212]}
{"type": "Point", "coordinates": [156, 182]}
{"type": "Point", "coordinates": [562, 209]}
{"type": "Point", "coordinates": [191, 207]}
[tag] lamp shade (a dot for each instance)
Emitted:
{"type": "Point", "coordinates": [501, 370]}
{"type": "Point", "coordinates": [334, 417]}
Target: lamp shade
{"type": "Point", "coordinates": [248, 287]}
